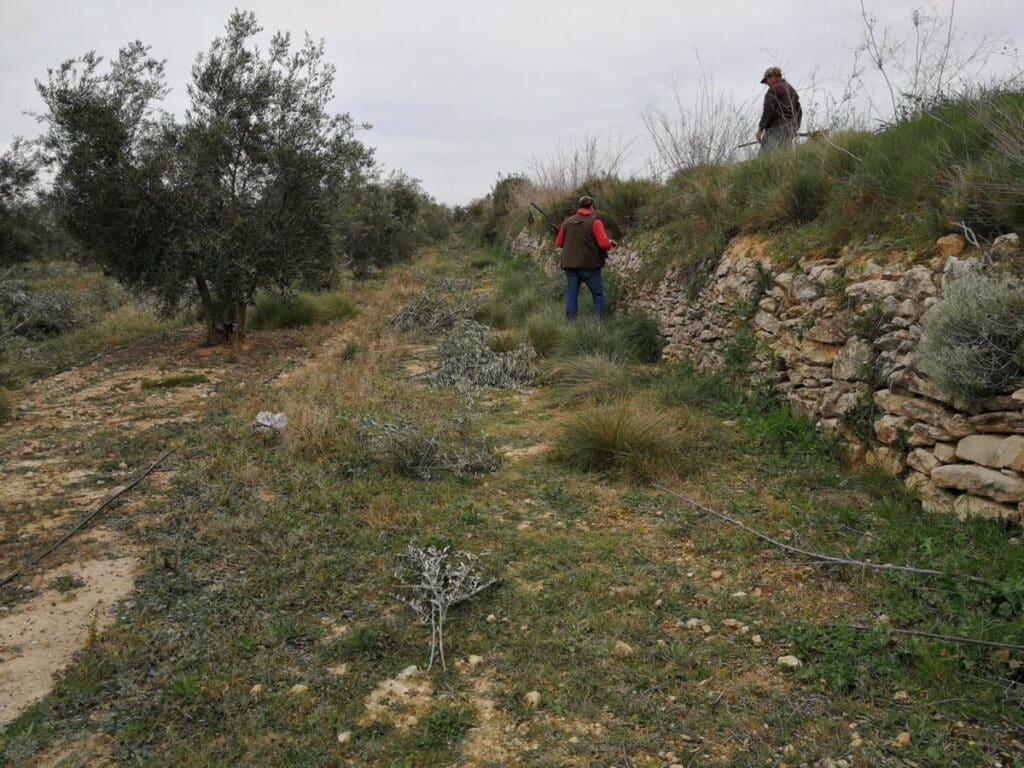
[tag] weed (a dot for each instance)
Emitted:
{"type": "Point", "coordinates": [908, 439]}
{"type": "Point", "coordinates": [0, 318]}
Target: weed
{"type": "Point", "coordinates": [176, 380]}
{"type": "Point", "coordinates": [739, 351]}
{"type": "Point", "coordinates": [67, 582]}
{"type": "Point", "coordinates": [6, 405]}
{"type": "Point", "coordinates": [352, 351]}
{"type": "Point", "coordinates": [544, 331]}
{"type": "Point", "coordinates": [444, 726]}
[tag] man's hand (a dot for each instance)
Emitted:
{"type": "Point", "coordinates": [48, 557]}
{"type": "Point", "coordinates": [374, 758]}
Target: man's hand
{"type": "Point", "coordinates": [758, 135]}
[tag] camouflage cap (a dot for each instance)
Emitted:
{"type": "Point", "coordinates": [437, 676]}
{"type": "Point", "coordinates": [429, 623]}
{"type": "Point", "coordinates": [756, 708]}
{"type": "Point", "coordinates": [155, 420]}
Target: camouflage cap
{"type": "Point", "coordinates": [769, 72]}
{"type": "Point", "coordinates": [586, 202]}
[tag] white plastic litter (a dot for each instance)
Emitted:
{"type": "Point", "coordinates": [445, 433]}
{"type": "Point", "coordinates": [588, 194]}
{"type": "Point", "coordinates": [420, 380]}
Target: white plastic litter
{"type": "Point", "coordinates": [268, 422]}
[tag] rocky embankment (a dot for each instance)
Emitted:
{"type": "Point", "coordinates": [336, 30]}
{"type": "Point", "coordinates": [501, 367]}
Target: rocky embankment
{"type": "Point", "coordinates": [837, 338]}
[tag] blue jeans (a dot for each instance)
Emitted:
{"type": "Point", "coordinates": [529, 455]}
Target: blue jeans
{"type": "Point", "coordinates": [592, 279]}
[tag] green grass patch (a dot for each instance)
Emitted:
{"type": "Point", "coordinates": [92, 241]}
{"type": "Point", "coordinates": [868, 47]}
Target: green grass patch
{"type": "Point", "coordinates": [176, 380]}
{"type": "Point", "coordinates": [67, 583]}
{"type": "Point", "coordinates": [272, 311]}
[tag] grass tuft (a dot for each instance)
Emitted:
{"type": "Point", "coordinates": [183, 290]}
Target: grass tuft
{"type": "Point", "coordinates": [272, 311]}
{"type": "Point", "coordinates": [588, 379]}
{"type": "Point", "coordinates": [175, 380]}
{"type": "Point", "coordinates": [639, 444]}
{"type": "Point", "coordinates": [444, 726]}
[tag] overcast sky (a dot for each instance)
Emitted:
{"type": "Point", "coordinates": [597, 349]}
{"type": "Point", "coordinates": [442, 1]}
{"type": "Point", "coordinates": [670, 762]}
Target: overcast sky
{"type": "Point", "coordinates": [461, 91]}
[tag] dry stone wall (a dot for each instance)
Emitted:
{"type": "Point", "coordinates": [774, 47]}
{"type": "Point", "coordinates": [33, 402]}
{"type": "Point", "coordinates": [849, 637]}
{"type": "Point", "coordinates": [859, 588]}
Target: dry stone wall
{"type": "Point", "coordinates": [837, 338]}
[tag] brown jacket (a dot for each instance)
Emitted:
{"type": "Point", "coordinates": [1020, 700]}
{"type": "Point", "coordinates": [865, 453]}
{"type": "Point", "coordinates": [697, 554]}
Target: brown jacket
{"type": "Point", "coordinates": [781, 106]}
{"type": "Point", "coordinates": [583, 241]}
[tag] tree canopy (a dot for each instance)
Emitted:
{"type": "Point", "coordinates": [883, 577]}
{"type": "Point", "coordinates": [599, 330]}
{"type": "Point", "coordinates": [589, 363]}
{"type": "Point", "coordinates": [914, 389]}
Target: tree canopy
{"type": "Point", "coordinates": [243, 193]}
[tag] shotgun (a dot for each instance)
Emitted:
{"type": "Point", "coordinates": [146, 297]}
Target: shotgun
{"type": "Point", "coordinates": [548, 219]}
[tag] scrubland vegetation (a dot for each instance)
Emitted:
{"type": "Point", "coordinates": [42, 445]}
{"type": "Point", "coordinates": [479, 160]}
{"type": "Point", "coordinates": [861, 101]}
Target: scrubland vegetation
{"type": "Point", "coordinates": [956, 165]}
{"type": "Point", "coordinates": [644, 626]}
{"type": "Point", "coordinates": [436, 397]}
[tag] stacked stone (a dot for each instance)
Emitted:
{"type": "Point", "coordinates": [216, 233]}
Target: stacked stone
{"type": "Point", "coordinates": [837, 338]}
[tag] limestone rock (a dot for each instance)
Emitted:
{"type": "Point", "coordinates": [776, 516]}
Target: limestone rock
{"type": "Point", "coordinates": [917, 284]}
{"type": "Point", "coordinates": [825, 333]}
{"type": "Point", "coordinates": [918, 409]}
{"type": "Point", "coordinates": [889, 428]}
{"type": "Point", "coordinates": [945, 452]}
{"type": "Point", "coordinates": [871, 290]}
{"type": "Point", "coordinates": [853, 361]}
{"type": "Point", "coordinates": [923, 461]}
{"type": "Point", "coordinates": [951, 245]}
{"type": "Point", "coordinates": [819, 354]}
{"type": "Point", "coordinates": [623, 650]}
{"type": "Point", "coordinates": [805, 290]}
{"type": "Point", "coordinates": [979, 481]}
{"type": "Point", "coordinates": [766, 322]}
{"type": "Point", "coordinates": [993, 451]}
{"type": "Point", "coordinates": [532, 699]}
{"type": "Point", "coordinates": [974, 506]}
{"type": "Point", "coordinates": [999, 422]}
{"type": "Point", "coordinates": [957, 268]}
{"type": "Point", "coordinates": [1006, 245]}
{"type": "Point", "coordinates": [889, 459]}
{"type": "Point", "coordinates": [906, 380]}
{"type": "Point", "coordinates": [789, 662]}
{"type": "Point", "coordinates": [902, 740]}
{"type": "Point", "coordinates": [933, 500]}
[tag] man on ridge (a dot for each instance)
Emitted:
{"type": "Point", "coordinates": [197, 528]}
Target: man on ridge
{"type": "Point", "coordinates": [584, 247]}
{"type": "Point", "coordinates": [781, 116]}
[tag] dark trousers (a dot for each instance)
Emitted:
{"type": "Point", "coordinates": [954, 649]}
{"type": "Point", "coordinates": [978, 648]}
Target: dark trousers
{"type": "Point", "coordinates": [592, 279]}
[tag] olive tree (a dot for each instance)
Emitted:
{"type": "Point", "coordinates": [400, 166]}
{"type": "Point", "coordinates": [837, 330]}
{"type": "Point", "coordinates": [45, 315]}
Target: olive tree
{"type": "Point", "coordinates": [18, 171]}
{"type": "Point", "coordinates": [237, 196]}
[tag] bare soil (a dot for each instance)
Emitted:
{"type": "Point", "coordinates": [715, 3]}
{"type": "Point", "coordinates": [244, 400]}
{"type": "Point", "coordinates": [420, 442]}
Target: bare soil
{"type": "Point", "coordinates": [52, 474]}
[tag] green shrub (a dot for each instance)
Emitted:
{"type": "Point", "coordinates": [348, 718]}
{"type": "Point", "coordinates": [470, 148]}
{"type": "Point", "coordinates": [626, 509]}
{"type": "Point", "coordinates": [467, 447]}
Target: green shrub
{"type": "Point", "coordinates": [272, 311]}
{"type": "Point", "coordinates": [637, 443]}
{"type": "Point", "coordinates": [973, 343]}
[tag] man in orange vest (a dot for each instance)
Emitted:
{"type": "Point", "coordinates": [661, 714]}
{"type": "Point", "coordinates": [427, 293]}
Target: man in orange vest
{"type": "Point", "coordinates": [585, 247]}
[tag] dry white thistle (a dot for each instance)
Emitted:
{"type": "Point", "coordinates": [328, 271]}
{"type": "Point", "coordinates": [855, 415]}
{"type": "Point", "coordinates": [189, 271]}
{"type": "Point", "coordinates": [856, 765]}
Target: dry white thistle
{"type": "Point", "coordinates": [433, 580]}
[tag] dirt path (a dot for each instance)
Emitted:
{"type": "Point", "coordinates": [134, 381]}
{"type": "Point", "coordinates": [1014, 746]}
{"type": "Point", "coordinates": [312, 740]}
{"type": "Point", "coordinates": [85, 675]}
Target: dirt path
{"type": "Point", "coordinates": [78, 438]}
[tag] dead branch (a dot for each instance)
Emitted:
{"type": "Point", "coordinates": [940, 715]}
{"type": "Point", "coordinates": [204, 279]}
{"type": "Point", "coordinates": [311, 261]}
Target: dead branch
{"type": "Point", "coordinates": [826, 558]}
{"type": "Point", "coordinates": [84, 521]}
{"type": "Point", "coordinates": [944, 638]}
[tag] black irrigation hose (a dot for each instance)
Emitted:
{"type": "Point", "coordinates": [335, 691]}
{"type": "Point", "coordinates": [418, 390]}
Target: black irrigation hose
{"type": "Point", "coordinates": [826, 558]}
{"type": "Point", "coordinates": [84, 521]}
